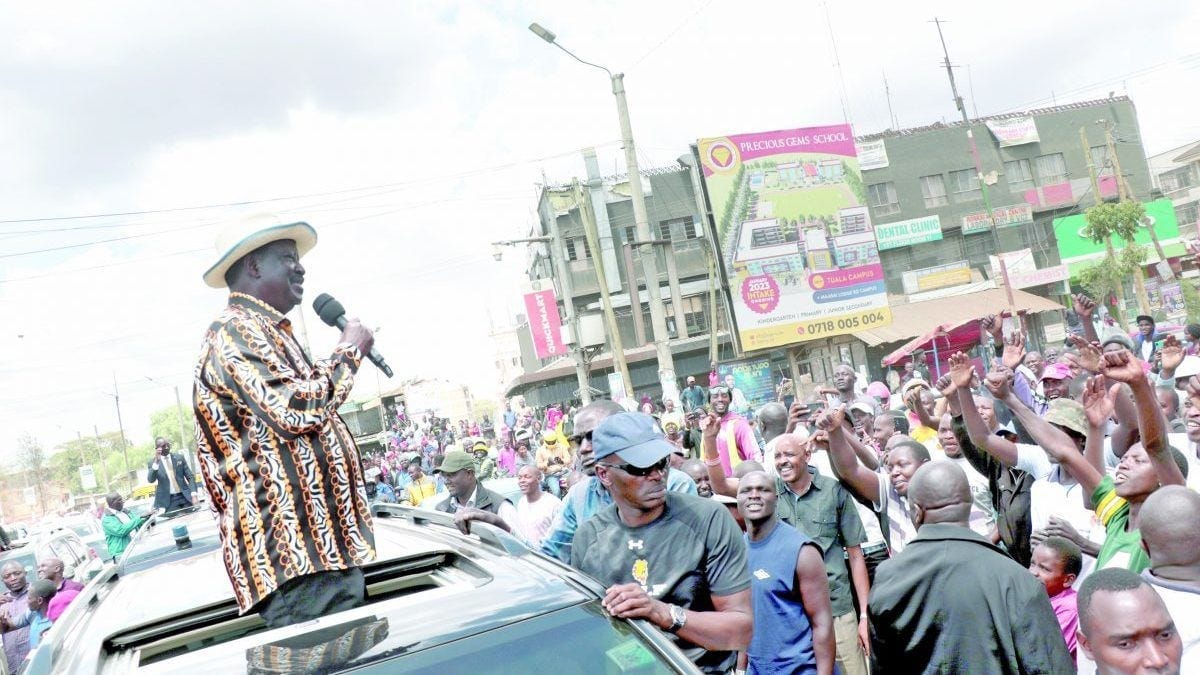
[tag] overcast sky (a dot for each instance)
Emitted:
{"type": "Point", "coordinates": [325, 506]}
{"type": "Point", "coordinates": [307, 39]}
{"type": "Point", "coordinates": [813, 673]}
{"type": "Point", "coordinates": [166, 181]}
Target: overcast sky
{"type": "Point", "coordinates": [413, 134]}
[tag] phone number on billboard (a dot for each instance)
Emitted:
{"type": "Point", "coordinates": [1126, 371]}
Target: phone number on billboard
{"type": "Point", "coordinates": [846, 323]}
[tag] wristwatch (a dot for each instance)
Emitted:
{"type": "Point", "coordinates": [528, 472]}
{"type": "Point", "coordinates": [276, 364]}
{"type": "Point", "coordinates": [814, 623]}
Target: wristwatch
{"type": "Point", "coordinates": [678, 618]}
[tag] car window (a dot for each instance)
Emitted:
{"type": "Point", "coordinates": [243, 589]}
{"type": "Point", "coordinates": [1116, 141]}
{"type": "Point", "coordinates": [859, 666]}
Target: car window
{"type": "Point", "coordinates": [599, 643]}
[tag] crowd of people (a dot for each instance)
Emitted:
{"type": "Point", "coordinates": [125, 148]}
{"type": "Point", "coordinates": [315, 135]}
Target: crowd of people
{"type": "Point", "coordinates": [1025, 512]}
{"type": "Point", "coordinates": [915, 526]}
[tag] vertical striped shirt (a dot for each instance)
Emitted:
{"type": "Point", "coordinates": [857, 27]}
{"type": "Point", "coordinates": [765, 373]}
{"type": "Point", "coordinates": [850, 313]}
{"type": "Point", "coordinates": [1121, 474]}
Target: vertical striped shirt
{"type": "Point", "coordinates": [279, 464]}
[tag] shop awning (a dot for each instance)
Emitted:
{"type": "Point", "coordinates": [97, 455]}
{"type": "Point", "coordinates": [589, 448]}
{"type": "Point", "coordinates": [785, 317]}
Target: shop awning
{"type": "Point", "coordinates": [952, 320]}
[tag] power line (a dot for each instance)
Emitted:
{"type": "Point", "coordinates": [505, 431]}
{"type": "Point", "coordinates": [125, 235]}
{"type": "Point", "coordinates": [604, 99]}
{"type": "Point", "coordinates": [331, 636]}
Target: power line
{"type": "Point", "coordinates": [419, 181]}
{"type": "Point", "coordinates": [670, 35]}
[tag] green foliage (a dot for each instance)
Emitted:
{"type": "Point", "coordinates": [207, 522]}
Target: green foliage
{"type": "Point", "coordinates": [1132, 257]}
{"type": "Point", "coordinates": [1119, 220]}
{"type": "Point", "coordinates": [1102, 278]}
{"type": "Point", "coordinates": [165, 423]}
{"type": "Point", "coordinates": [1191, 300]}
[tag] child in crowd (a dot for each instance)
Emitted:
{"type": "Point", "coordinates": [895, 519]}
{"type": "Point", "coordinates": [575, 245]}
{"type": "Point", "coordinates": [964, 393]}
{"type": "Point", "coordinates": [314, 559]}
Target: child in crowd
{"type": "Point", "coordinates": [1056, 563]}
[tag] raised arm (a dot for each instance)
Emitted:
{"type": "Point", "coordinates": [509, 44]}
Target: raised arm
{"type": "Point", "coordinates": [1053, 440]}
{"type": "Point", "coordinates": [1122, 366]}
{"type": "Point", "coordinates": [961, 373]}
{"type": "Point", "coordinates": [864, 453]}
{"type": "Point", "coordinates": [722, 483]}
{"type": "Point", "coordinates": [858, 478]}
{"type": "Point", "coordinates": [1084, 307]}
{"type": "Point", "coordinates": [1098, 398]}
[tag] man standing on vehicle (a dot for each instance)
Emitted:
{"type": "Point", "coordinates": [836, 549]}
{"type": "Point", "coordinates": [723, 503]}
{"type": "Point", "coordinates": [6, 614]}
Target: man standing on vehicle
{"type": "Point", "coordinates": [118, 525]}
{"type": "Point", "coordinates": [13, 605]}
{"type": "Point", "coordinates": [269, 437]}
{"type": "Point", "coordinates": [676, 561]}
{"type": "Point", "coordinates": [175, 482]}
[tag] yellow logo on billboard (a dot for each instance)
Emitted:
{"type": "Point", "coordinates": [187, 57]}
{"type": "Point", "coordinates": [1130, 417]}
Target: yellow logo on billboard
{"type": "Point", "coordinates": [721, 156]}
{"type": "Point", "coordinates": [817, 282]}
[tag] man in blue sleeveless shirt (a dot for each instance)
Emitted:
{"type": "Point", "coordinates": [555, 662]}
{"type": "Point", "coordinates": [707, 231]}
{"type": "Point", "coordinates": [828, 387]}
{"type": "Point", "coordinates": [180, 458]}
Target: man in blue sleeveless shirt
{"type": "Point", "coordinates": [793, 620]}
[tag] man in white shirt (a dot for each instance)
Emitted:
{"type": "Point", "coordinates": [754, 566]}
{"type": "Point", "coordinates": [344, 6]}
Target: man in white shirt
{"type": "Point", "coordinates": [536, 509]}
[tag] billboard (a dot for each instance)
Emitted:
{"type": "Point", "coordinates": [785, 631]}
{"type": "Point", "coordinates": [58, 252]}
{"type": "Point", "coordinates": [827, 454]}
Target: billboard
{"type": "Point", "coordinates": [545, 327]}
{"type": "Point", "coordinates": [1014, 131]}
{"type": "Point", "coordinates": [1005, 216]}
{"type": "Point", "coordinates": [795, 240]}
{"type": "Point", "coordinates": [753, 377]}
{"type": "Point", "coordinates": [1077, 251]}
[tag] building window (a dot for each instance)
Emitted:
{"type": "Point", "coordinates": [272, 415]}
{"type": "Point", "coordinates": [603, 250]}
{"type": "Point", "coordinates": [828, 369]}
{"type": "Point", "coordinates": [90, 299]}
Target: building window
{"type": "Point", "coordinates": [693, 314]}
{"type": "Point", "coordinates": [685, 225]}
{"type": "Point", "coordinates": [933, 188]}
{"type": "Point", "coordinates": [1177, 179]}
{"type": "Point", "coordinates": [766, 236]}
{"type": "Point", "coordinates": [1020, 176]}
{"type": "Point", "coordinates": [1052, 169]}
{"type": "Point", "coordinates": [577, 249]}
{"type": "Point", "coordinates": [882, 198]}
{"type": "Point", "coordinates": [630, 234]}
{"type": "Point", "coordinates": [1186, 214]}
{"type": "Point", "coordinates": [965, 184]}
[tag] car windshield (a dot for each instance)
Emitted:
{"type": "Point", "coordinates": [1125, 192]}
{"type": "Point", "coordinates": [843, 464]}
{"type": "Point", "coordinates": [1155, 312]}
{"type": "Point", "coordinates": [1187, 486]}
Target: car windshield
{"type": "Point", "coordinates": [26, 558]}
{"type": "Point", "coordinates": [598, 643]}
{"type": "Point", "coordinates": [82, 530]}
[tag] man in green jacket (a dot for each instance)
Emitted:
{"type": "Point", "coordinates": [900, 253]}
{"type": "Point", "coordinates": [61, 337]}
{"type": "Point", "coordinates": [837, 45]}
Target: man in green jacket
{"type": "Point", "coordinates": [118, 525]}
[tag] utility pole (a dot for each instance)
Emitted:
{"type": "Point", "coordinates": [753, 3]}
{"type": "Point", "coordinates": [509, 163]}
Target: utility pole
{"type": "Point", "coordinates": [658, 318]}
{"type": "Point", "coordinates": [121, 430]}
{"type": "Point", "coordinates": [616, 345]}
{"type": "Point", "coordinates": [560, 268]}
{"type": "Point", "coordinates": [1108, 245]}
{"type": "Point", "coordinates": [1139, 281]}
{"type": "Point", "coordinates": [983, 188]}
{"type": "Point", "coordinates": [709, 251]}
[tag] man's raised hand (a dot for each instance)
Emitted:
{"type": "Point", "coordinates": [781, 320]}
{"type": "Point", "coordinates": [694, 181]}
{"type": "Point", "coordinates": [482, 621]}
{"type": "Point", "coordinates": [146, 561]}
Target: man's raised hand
{"type": "Point", "coordinates": [1014, 350]}
{"type": "Point", "coordinates": [961, 370]}
{"type": "Point", "coordinates": [1122, 366]}
{"type": "Point", "coordinates": [1098, 400]}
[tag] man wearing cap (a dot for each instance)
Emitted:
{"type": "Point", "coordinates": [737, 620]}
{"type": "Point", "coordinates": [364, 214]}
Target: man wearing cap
{"type": "Point", "coordinates": [676, 561]}
{"type": "Point", "coordinates": [553, 460]}
{"type": "Point", "coordinates": [589, 496]}
{"type": "Point", "coordinates": [692, 395]}
{"type": "Point", "coordinates": [469, 501]}
{"type": "Point", "coordinates": [269, 437]}
{"type": "Point", "coordinates": [486, 465]}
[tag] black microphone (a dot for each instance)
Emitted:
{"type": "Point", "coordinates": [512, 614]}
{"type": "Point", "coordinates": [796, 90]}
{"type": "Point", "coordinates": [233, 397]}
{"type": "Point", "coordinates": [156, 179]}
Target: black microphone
{"type": "Point", "coordinates": [333, 314]}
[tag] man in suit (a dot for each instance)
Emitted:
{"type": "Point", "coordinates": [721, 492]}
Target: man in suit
{"type": "Point", "coordinates": [173, 475]}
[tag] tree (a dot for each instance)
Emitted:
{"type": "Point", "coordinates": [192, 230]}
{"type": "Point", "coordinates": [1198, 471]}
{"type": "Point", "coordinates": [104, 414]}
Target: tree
{"type": "Point", "coordinates": [1105, 221]}
{"type": "Point", "coordinates": [31, 459]}
{"type": "Point", "coordinates": [165, 423]}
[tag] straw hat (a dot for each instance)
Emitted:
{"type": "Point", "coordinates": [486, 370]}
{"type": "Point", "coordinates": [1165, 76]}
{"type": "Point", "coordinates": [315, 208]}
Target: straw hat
{"type": "Point", "coordinates": [250, 233]}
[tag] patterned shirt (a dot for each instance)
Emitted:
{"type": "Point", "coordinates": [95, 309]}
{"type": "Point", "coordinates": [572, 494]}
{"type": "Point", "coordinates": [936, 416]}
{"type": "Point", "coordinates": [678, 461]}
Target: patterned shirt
{"type": "Point", "coordinates": [280, 466]}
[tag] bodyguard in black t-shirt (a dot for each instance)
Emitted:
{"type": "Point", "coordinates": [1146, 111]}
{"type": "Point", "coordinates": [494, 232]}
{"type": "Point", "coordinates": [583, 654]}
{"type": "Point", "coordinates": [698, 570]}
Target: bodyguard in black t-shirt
{"type": "Point", "coordinates": [675, 560]}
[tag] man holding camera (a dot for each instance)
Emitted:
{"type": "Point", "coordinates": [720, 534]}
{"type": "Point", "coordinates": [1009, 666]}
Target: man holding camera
{"type": "Point", "coordinates": [174, 477]}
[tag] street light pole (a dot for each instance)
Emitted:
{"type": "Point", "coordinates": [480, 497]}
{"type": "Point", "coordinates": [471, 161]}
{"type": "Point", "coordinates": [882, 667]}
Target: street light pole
{"type": "Point", "coordinates": [658, 319]}
{"type": "Point", "coordinates": [121, 429]}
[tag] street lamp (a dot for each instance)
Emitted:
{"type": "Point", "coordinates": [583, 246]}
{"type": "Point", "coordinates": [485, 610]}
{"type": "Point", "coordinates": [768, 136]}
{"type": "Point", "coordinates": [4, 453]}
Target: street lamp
{"type": "Point", "coordinates": [658, 319]}
{"type": "Point", "coordinates": [560, 271]}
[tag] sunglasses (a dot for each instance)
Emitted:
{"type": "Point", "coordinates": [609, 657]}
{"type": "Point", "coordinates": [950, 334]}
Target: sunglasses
{"type": "Point", "coordinates": [579, 438]}
{"type": "Point", "coordinates": [660, 465]}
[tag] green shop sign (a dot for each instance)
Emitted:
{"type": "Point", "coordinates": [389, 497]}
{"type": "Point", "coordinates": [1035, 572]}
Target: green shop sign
{"type": "Point", "coordinates": [1074, 246]}
{"type": "Point", "coordinates": [908, 232]}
